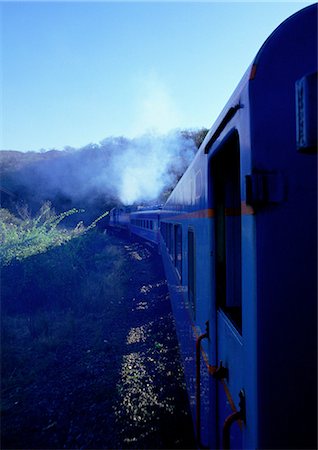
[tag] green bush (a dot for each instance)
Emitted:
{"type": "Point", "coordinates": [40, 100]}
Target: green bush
{"type": "Point", "coordinates": [26, 236]}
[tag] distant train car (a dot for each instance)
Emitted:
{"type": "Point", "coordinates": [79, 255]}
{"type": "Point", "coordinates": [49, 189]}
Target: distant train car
{"type": "Point", "coordinates": [239, 244]}
{"type": "Point", "coordinates": [146, 224]}
{"type": "Point", "coordinates": [119, 218]}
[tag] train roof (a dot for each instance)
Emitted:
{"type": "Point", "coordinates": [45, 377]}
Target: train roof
{"type": "Point", "coordinates": [296, 23]}
{"type": "Point", "coordinates": [147, 212]}
{"type": "Point", "coordinates": [251, 73]}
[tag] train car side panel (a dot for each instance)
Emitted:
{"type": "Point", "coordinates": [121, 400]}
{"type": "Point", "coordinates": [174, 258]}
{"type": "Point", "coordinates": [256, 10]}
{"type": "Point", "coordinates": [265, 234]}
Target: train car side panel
{"type": "Point", "coordinates": [286, 234]}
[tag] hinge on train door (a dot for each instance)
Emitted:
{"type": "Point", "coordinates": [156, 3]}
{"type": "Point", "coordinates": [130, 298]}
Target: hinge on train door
{"type": "Point", "coordinates": [221, 372]}
{"type": "Point", "coordinates": [265, 188]}
{"type": "Point", "coordinates": [242, 405]}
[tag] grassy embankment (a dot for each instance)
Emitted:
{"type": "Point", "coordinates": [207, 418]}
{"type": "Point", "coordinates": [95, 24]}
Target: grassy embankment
{"type": "Point", "coordinates": [51, 279]}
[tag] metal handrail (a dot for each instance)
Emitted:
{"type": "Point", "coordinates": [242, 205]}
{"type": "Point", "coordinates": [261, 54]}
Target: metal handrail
{"type": "Point", "coordinates": [234, 417]}
{"type": "Point", "coordinates": [198, 382]}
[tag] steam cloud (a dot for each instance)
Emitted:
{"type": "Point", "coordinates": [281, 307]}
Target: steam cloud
{"type": "Point", "coordinates": [155, 109]}
{"type": "Point", "coordinates": [149, 165]}
{"type": "Point", "coordinates": [117, 169]}
{"type": "Point", "coordinates": [132, 170]}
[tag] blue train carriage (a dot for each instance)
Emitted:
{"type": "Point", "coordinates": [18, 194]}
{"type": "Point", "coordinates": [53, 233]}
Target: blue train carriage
{"type": "Point", "coordinates": [238, 238]}
{"type": "Point", "coordinates": [119, 218]}
{"type": "Point", "coordinates": [145, 223]}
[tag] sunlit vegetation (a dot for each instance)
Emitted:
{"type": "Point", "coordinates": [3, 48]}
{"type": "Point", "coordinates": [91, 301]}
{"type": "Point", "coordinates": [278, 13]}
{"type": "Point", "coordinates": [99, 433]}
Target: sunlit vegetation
{"type": "Point", "coordinates": [24, 236]}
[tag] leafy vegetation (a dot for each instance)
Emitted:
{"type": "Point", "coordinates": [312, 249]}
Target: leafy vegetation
{"type": "Point", "coordinates": [54, 303]}
{"type": "Point", "coordinates": [24, 236]}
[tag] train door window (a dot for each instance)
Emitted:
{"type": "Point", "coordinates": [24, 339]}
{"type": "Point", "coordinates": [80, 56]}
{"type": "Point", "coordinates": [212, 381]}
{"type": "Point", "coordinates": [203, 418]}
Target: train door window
{"type": "Point", "coordinates": [191, 270]}
{"type": "Point", "coordinates": [171, 241]}
{"type": "Point", "coordinates": [163, 228]}
{"type": "Point", "coordinates": [178, 248]}
{"type": "Point", "coordinates": [227, 204]}
{"type": "Point", "coordinates": [167, 236]}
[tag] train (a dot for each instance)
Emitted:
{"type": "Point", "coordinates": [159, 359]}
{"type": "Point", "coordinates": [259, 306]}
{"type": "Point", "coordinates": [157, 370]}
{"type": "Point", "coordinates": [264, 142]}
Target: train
{"type": "Point", "coordinates": [238, 240]}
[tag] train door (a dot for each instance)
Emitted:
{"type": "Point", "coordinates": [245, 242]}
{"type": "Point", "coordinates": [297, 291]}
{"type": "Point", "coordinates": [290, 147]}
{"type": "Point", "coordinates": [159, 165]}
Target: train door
{"type": "Point", "coordinates": [225, 185]}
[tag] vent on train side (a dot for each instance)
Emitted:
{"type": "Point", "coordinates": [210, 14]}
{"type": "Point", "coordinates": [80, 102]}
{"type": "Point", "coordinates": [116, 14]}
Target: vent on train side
{"type": "Point", "coordinates": [306, 113]}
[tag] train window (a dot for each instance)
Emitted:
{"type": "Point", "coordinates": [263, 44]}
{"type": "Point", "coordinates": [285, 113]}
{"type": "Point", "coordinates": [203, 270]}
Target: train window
{"type": "Point", "coordinates": [178, 248]}
{"type": "Point", "coordinates": [171, 240]}
{"type": "Point", "coordinates": [168, 237]}
{"type": "Point", "coordinates": [227, 204]}
{"type": "Point", "coordinates": [198, 184]}
{"type": "Point", "coordinates": [191, 270]}
{"type": "Point", "coordinates": [162, 230]}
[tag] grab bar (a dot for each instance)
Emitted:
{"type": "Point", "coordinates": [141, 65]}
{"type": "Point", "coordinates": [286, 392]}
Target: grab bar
{"type": "Point", "coordinates": [235, 416]}
{"type": "Point", "coordinates": [198, 382]}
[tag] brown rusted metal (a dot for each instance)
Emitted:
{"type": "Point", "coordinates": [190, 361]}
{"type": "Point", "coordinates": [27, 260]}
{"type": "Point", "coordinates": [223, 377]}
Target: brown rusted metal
{"type": "Point", "coordinates": [234, 417]}
{"type": "Point", "coordinates": [227, 428]}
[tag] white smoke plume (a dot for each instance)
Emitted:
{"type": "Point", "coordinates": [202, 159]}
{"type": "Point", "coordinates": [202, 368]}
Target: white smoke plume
{"type": "Point", "coordinates": [149, 164]}
{"type": "Point", "coordinates": [155, 109]}
{"type": "Point", "coordinates": [118, 170]}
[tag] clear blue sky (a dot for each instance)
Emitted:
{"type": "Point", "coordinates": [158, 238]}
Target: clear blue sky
{"type": "Point", "coordinates": [76, 73]}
